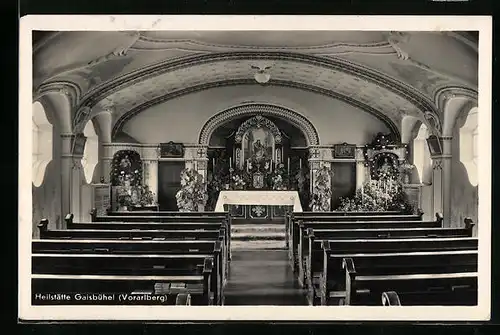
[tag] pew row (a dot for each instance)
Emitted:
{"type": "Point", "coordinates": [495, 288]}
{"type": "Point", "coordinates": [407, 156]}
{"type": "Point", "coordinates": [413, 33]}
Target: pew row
{"type": "Point", "coordinates": [300, 244]}
{"type": "Point", "coordinates": [136, 217]}
{"type": "Point", "coordinates": [140, 249]}
{"type": "Point", "coordinates": [125, 289]}
{"type": "Point", "coordinates": [124, 231]}
{"type": "Point", "coordinates": [321, 250]}
{"type": "Point", "coordinates": [342, 270]}
{"type": "Point", "coordinates": [197, 228]}
{"type": "Point", "coordinates": [446, 289]}
{"type": "Point", "coordinates": [464, 297]}
{"type": "Point", "coordinates": [299, 221]}
{"type": "Point", "coordinates": [313, 235]}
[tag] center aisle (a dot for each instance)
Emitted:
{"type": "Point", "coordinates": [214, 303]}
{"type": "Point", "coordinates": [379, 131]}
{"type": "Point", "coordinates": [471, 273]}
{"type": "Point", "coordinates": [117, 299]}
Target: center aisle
{"type": "Point", "coordinates": [262, 277]}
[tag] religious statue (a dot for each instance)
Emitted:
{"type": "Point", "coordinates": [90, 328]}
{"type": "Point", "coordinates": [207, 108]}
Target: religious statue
{"type": "Point", "coordinates": [125, 163]}
{"type": "Point", "coordinates": [259, 151]}
{"type": "Point", "coordinates": [386, 170]}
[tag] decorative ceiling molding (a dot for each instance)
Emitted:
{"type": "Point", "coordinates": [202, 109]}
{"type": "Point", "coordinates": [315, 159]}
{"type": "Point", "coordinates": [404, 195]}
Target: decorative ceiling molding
{"type": "Point", "coordinates": [444, 94]}
{"type": "Point", "coordinates": [118, 52]}
{"type": "Point", "coordinates": [200, 46]}
{"type": "Point", "coordinates": [251, 109]}
{"type": "Point", "coordinates": [67, 88]}
{"type": "Point", "coordinates": [336, 64]}
{"type": "Point", "coordinates": [391, 124]}
{"type": "Point", "coordinates": [395, 38]}
{"type": "Point", "coordinates": [420, 101]}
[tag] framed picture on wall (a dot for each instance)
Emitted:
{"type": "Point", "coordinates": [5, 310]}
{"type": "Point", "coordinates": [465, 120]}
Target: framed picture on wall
{"type": "Point", "coordinates": [344, 150]}
{"type": "Point", "coordinates": [171, 149]}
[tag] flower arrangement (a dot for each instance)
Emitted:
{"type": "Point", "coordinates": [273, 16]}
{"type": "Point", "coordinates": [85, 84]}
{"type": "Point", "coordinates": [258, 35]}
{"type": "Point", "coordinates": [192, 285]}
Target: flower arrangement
{"type": "Point", "coordinates": [322, 193]}
{"type": "Point", "coordinates": [192, 194]}
{"type": "Point", "coordinates": [406, 169]}
{"type": "Point", "coordinates": [377, 196]}
{"type": "Point", "coordinates": [147, 196]}
{"type": "Point", "coordinates": [238, 182]}
{"type": "Point", "coordinates": [124, 197]}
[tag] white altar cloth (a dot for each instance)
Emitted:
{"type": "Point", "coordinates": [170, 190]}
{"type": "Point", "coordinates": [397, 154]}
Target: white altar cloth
{"type": "Point", "coordinates": [272, 198]}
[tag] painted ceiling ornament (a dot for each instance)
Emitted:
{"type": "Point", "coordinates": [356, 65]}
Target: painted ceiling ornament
{"type": "Point", "coordinates": [395, 39]}
{"type": "Point", "coordinates": [118, 52]}
{"type": "Point", "coordinates": [258, 121]}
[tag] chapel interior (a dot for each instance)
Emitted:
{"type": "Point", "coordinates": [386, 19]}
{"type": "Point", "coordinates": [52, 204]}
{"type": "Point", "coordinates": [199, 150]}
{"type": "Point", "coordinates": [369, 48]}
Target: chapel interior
{"type": "Point", "coordinates": [123, 119]}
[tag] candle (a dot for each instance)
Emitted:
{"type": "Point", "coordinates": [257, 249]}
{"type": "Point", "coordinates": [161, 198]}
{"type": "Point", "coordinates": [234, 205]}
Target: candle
{"type": "Point", "coordinates": [300, 164]}
{"type": "Point", "coordinates": [230, 162]}
{"type": "Point", "coordinates": [213, 162]}
{"type": "Point", "coordinates": [288, 165]}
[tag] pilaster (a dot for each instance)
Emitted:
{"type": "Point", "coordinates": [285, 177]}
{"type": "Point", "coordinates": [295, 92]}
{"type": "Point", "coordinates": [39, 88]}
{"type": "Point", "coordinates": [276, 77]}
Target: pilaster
{"type": "Point", "coordinates": [441, 180]}
{"type": "Point", "coordinates": [361, 168]}
{"type": "Point", "coordinates": [319, 157]}
{"type": "Point", "coordinates": [150, 156]}
{"type": "Point", "coordinates": [196, 158]}
{"type": "Point", "coordinates": [72, 177]}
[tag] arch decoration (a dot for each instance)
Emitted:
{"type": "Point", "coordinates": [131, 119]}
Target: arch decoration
{"type": "Point", "coordinates": [258, 121]}
{"type": "Point", "coordinates": [289, 115]}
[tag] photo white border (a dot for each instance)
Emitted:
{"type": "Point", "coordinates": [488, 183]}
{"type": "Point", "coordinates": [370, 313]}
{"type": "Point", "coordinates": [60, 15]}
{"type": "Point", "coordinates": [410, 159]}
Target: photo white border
{"type": "Point", "coordinates": [483, 24]}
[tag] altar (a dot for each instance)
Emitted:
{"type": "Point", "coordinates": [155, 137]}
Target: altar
{"type": "Point", "coordinates": [257, 204]}
{"type": "Point", "coordinates": [258, 175]}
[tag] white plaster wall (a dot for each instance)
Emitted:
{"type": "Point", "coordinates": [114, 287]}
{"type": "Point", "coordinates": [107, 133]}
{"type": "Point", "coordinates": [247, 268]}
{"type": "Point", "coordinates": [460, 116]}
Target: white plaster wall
{"type": "Point", "coordinates": [181, 119]}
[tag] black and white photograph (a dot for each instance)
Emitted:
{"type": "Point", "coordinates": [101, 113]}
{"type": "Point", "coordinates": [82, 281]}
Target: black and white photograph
{"type": "Point", "coordinates": [255, 168]}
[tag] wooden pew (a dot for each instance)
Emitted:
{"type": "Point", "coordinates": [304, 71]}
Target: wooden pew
{"type": "Point", "coordinates": [103, 233]}
{"type": "Point", "coordinates": [366, 282]}
{"type": "Point", "coordinates": [183, 299]}
{"type": "Point", "coordinates": [146, 248]}
{"type": "Point", "coordinates": [169, 217]}
{"type": "Point", "coordinates": [397, 231]}
{"type": "Point", "coordinates": [152, 231]}
{"type": "Point", "coordinates": [295, 219]}
{"type": "Point", "coordinates": [199, 227]}
{"type": "Point", "coordinates": [65, 280]}
{"type": "Point", "coordinates": [300, 239]}
{"type": "Point", "coordinates": [464, 297]}
{"type": "Point", "coordinates": [333, 278]}
{"type": "Point", "coordinates": [319, 250]}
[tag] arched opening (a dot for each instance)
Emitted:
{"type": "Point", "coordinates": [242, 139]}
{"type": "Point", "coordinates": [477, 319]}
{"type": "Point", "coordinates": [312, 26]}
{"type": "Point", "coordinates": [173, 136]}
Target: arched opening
{"type": "Point", "coordinates": [469, 146]}
{"type": "Point", "coordinates": [422, 156]}
{"type": "Point", "coordinates": [42, 151]}
{"type": "Point", "coordinates": [91, 152]}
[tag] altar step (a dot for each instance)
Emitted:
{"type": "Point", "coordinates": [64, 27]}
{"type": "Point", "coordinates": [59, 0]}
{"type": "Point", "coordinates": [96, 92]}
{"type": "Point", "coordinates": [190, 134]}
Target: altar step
{"type": "Point", "coordinates": [257, 236]}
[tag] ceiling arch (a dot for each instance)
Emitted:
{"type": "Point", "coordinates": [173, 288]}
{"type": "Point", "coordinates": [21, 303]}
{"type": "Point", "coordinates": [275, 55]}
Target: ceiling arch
{"type": "Point", "coordinates": [353, 83]}
{"type": "Point", "coordinates": [388, 74]}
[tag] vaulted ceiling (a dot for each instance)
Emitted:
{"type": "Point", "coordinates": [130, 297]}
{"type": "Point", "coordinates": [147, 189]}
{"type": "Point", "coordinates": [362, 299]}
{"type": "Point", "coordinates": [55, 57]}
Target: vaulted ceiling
{"type": "Point", "coordinates": [389, 74]}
